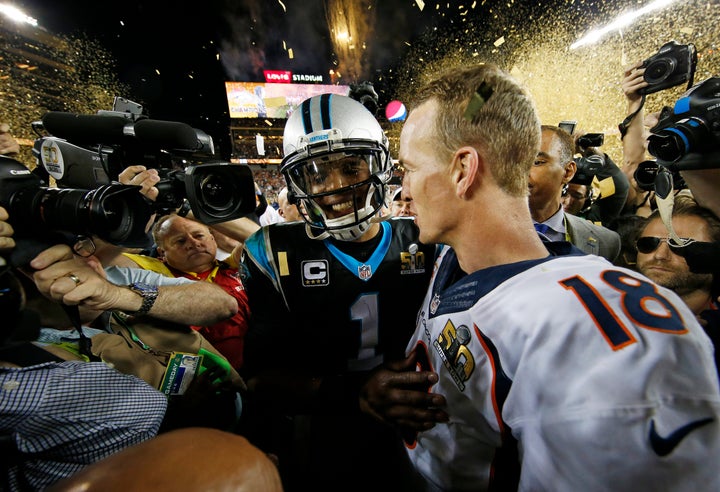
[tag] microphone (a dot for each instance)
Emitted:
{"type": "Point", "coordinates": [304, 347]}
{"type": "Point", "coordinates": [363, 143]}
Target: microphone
{"type": "Point", "coordinates": [109, 129]}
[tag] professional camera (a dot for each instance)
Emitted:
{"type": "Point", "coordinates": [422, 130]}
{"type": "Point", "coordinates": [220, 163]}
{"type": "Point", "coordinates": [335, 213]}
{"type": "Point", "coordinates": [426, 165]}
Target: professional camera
{"type": "Point", "coordinates": [691, 127]}
{"type": "Point", "coordinates": [364, 93]}
{"type": "Point", "coordinates": [216, 192]}
{"type": "Point", "coordinates": [648, 172]}
{"type": "Point", "coordinates": [116, 213]}
{"type": "Point", "coordinates": [85, 151]}
{"type": "Point", "coordinates": [672, 65]}
{"type": "Point", "coordinates": [591, 140]}
{"type": "Point", "coordinates": [587, 168]}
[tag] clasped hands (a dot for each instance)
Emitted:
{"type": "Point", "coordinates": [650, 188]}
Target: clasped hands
{"type": "Point", "coordinates": [400, 396]}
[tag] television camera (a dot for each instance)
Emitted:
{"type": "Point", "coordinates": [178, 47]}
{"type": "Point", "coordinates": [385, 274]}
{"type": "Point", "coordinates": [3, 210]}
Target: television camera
{"type": "Point", "coordinates": [84, 154]}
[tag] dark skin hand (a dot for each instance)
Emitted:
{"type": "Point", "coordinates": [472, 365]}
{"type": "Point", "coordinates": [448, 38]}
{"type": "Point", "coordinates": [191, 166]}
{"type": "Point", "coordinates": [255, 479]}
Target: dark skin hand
{"type": "Point", "coordinates": [400, 396]}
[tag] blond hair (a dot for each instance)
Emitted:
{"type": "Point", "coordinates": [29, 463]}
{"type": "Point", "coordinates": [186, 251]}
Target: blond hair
{"type": "Point", "coordinates": [503, 126]}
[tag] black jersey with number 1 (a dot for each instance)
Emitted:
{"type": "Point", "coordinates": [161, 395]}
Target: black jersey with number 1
{"type": "Point", "coordinates": [329, 307]}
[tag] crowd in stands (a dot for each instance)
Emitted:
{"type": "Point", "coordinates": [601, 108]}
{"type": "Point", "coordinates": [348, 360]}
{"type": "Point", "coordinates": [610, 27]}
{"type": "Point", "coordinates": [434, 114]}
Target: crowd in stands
{"type": "Point", "coordinates": [270, 181]}
{"type": "Point", "coordinates": [488, 315]}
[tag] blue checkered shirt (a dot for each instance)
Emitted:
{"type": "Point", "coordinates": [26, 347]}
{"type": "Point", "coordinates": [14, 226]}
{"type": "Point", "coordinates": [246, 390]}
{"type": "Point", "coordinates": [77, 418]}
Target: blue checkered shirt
{"type": "Point", "coordinates": [65, 416]}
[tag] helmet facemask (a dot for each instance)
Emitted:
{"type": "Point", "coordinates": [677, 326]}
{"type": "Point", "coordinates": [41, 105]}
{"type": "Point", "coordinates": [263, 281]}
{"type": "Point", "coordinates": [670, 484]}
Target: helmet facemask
{"type": "Point", "coordinates": [341, 188]}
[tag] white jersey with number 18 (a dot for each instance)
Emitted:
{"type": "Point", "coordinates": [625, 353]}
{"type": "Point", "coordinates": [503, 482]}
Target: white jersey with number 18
{"type": "Point", "coordinates": [565, 374]}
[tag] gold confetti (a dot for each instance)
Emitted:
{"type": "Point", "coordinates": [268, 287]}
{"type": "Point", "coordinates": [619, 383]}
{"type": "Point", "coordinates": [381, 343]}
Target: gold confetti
{"type": "Point", "coordinates": [582, 84]}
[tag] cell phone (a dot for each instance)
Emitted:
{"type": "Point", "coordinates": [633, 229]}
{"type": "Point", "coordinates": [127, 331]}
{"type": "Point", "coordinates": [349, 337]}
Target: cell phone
{"type": "Point", "coordinates": [591, 140]}
{"type": "Point", "coordinates": [568, 126]}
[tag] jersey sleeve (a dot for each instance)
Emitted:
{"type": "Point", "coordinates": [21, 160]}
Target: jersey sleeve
{"type": "Point", "coordinates": [270, 321]}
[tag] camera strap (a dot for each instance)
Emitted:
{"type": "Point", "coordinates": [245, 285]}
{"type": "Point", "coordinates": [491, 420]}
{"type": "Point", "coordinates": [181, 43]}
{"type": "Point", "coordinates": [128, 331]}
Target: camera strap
{"type": "Point", "coordinates": [84, 344]}
{"type": "Point", "coordinates": [624, 124]}
{"type": "Point", "coordinates": [665, 199]}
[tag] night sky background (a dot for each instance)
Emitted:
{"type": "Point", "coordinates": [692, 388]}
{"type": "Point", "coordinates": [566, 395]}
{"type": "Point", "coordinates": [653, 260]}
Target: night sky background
{"type": "Point", "coordinates": [174, 57]}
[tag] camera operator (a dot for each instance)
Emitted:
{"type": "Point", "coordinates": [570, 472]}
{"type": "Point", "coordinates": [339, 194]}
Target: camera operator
{"type": "Point", "coordinates": [705, 187]}
{"type": "Point", "coordinates": [613, 185]}
{"type": "Point", "coordinates": [8, 144]}
{"type": "Point", "coordinates": [238, 229]}
{"type": "Point", "coordinates": [6, 231]}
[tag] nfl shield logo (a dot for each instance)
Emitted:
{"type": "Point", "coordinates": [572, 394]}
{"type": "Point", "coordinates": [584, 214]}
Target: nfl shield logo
{"type": "Point", "coordinates": [434, 304]}
{"type": "Point", "coordinates": [364, 272]}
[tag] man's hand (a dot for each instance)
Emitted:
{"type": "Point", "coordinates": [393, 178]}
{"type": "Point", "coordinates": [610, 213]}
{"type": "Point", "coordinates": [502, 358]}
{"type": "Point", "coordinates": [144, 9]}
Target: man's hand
{"type": "Point", "coordinates": [64, 277]}
{"type": "Point", "coordinates": [6, 231]}
{"type": "Point", "coordinates": [8, 144]}
{"type": "Point", "coordinates": [632, 82]}
{"type": "Point", "coordinates": [399, 395]}
{"type": "Point", "coordinates": [143, 177]}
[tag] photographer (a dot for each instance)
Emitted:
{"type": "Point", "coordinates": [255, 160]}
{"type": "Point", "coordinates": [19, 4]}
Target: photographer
{"type": "Point", "coordinates": [634, 141]}
{"type": "Point", "coordinates": [705, 186]}
{"type": "Point", "coordinates": [8, 144]}
{"type": "Point", "coordinates": [613, 185]}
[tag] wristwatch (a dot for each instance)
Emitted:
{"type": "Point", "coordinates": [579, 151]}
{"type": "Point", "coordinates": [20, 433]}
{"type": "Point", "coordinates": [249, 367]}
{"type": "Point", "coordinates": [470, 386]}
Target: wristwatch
{"type": "Point", "coordinates": [148, 292]}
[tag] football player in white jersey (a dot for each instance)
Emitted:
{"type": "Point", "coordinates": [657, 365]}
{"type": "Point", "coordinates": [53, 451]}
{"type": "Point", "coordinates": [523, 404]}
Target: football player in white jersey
{"type": "Point", "coordinates": [533, 366]}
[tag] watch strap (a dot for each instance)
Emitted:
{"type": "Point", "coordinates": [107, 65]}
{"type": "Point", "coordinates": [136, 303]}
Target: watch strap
{"type": "Point", "coordinates": [149, 295]}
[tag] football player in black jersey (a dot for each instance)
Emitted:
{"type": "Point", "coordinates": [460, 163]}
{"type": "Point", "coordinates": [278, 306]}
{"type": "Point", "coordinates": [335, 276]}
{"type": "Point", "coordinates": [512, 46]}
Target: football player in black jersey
{"type": "Point", "coordinates": [331, 298]}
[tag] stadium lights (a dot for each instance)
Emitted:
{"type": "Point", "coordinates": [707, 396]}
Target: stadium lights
{"type": "Point", "coordinates": [17, 15]}
{"type": "Point", "coordinates": [620, 22]}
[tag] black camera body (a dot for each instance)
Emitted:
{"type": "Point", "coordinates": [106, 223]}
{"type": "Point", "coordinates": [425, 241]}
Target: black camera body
{"type": "Point", "coordinates": [647, 172]}
{"type": "Point", "coordinates": [116, 213]}
{"type": "Point", "coordinates": [365, 94]}
{"type": "Point", "coordinates": [689, 129]}
{"type": "Point", "coordinates": [672, 65]}
{"type": "Point", "coordinates": [587, 168]}
{"type": "Point", "coordinates": [591, 140]}
{"type": "Point", "coordinates": [84, 151]}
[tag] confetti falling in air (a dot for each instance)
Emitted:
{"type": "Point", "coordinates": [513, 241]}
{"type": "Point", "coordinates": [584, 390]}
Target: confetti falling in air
{"type": "Point", "coordinates": [582, 84]}
{"type": "Point", "coordinates": [83, 81]}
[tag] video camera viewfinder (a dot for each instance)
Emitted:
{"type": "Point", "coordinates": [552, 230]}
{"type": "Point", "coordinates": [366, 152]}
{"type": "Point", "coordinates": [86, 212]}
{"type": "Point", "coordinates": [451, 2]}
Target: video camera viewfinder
{"type": "Point", "coordinates": [84, 151]}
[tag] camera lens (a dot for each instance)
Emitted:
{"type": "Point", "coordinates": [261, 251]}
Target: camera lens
{"type": "Point", "coordinates": [659, 70]}
{"type": "Point", "coordinates": [215, 193]}
{"type": "Point", "coordinates": [673, 142]}
{"type": "Point", "coordinates": [218, 192]}
{"type": "Point", "coordinates": [645, 175]}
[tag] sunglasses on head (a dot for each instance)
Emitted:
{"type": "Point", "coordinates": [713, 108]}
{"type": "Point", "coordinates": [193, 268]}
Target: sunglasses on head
{"type": "Point", "coordinates": [648, 244]}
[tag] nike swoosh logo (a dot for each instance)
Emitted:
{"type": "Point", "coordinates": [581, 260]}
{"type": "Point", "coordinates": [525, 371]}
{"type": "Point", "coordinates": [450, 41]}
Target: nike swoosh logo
{"type": "Point", "coordinates": [663, 446]}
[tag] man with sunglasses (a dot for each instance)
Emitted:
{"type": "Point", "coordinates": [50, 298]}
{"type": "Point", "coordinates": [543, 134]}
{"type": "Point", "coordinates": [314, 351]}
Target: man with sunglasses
{"type": "Point", "coordinates": [663, 260]}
